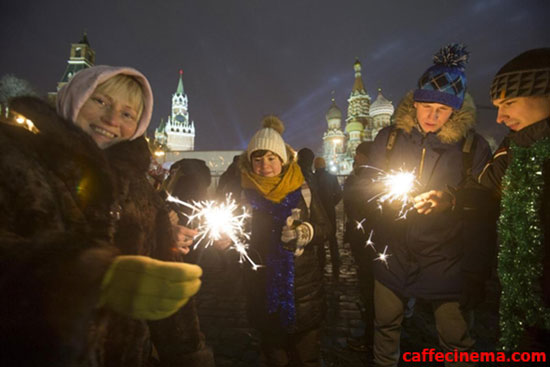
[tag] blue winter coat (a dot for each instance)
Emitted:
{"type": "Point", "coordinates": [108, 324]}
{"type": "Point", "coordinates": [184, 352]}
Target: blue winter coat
{"type": "Point", "coordinates": [427, 251]}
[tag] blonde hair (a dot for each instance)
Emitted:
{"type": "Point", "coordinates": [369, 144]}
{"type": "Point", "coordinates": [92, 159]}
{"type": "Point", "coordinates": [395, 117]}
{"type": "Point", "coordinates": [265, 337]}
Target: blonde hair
{"type": "Point", "coordinates": [126, 85]}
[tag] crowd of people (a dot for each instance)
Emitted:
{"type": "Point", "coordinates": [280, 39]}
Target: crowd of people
{"type": "Point", "coordinates": [97, 267]}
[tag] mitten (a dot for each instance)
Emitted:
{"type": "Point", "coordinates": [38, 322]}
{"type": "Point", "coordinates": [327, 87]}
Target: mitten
{"type": "Point", "coordinates": [296, 235]}
{"type": "Point", "coordinates": [145, 288]}
{"type": "Point", "coordinates": [473, 292]}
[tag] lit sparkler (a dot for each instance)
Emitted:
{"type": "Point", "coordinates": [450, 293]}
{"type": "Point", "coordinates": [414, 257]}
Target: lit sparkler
{"type": "Point", "coordinates": [218, 220]}
{"type": "Point", "coordinates": [397, 186]}
{"type": "Point", "coordinates": [383, 256]}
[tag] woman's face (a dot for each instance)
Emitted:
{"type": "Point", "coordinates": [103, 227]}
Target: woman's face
{"type": "Point", "coordinates": [268, 165]}
{"type": "Point", "coordinates": [108, 117]}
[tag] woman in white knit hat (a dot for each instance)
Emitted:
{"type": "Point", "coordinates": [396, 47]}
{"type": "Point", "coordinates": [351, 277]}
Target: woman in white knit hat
{"type": "Point", "coordinates": [285, 296]}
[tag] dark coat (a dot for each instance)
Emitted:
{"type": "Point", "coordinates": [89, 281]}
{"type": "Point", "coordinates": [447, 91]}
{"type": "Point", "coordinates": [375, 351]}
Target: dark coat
{"type": "Point", "coordinates": [308, 281]}
{"type": "Point", "coordinates": [492, 174]}
{"type": "Point", "coordinates": [145, 229]}
{"type": "Point", "coordinates": [428, 251]}
{"type": "Point", "coordinates": [330, 192]}
{"type": "Point", "coordinates": [56, 233]}
{"type": "Point", "coordinates": [354, 209]}
{"type": "Point", "coordinates": [230, 182]}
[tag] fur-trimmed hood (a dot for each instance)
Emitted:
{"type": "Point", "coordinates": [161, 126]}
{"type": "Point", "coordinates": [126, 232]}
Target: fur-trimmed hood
{"type": "Point", "coordinates": [455, 128]}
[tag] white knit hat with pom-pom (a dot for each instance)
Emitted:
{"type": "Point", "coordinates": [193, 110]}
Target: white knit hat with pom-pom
{"type": "Point", "coordinates": [269, 138]}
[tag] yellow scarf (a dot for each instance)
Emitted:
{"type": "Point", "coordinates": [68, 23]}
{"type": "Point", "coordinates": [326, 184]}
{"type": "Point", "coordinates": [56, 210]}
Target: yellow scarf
{"type": "Point", "coordinates": [274, 188]}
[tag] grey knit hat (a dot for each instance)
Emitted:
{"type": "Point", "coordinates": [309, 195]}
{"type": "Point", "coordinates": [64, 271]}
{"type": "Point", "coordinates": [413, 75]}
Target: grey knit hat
{"type": "Point", "coordinates": [526, 75]}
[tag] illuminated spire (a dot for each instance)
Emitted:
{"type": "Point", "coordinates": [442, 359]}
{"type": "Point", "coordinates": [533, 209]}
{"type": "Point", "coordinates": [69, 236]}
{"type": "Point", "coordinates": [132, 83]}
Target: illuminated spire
{"type": "Point", "coordinates": [358, 84]}
{"type": "Point", "coordinates": [180, 83]}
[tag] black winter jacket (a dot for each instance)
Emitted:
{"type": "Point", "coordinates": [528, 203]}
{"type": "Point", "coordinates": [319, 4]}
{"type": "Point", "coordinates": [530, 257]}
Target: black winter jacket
{"type": "Point", "coordinates": [330, 192]}
{"type": "Point", "coordinates": [308, 287]}
{"type": "Point", "coordinates": [428, 252]}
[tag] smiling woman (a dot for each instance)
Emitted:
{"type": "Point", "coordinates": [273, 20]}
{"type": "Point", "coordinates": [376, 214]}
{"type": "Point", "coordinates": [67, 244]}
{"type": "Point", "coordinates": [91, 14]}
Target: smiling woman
{"type": "Point", "coordinates": [111, 114]}
{"type": "Point", "coordinates": [111, 104]}
{"type": "Point", "coordinates": [97, 253]}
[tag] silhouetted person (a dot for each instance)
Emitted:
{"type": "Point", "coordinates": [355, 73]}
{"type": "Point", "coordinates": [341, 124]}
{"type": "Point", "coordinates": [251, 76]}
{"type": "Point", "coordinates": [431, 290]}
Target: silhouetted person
{"type": "Point", "coordinates": [330, 193]}
{"type": "Point", "coordinates": [230, 181]}
{"type": "Point", "coordinates": [363, 256]}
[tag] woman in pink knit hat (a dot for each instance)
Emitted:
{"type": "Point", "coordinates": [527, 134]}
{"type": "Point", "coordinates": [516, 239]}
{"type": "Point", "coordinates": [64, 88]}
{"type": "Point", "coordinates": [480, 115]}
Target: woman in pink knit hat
{"type": "Point", "coordinates": [85, 240]}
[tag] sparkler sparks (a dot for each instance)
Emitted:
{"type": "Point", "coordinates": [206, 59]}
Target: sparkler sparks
{"type": "Point", "coordinates": [383, 256]}
{"type": "Point", "coordinates": [218, 220]}
{"type": "Point", "coordinates": [369, 242]}
{"type": "Point", "coordinates": [397, 186]}
{"type": "Point", "coordinates": [360, 224]}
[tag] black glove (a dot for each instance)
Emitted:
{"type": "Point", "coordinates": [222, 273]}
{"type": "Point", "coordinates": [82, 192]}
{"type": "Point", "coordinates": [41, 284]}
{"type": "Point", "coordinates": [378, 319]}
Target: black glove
{"type": "Point", "coordinates": [473, 292]}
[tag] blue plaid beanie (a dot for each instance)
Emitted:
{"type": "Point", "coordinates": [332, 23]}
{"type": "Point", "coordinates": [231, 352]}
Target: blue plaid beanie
{"type": "Point", "coordinates": [445, 81]}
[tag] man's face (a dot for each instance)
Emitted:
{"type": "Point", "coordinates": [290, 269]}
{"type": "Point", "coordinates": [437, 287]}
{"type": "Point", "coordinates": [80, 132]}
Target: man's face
{"type": "Point", "coordinates": [432, 116]}
{"type": "Point", "coordinates": [519, 112]}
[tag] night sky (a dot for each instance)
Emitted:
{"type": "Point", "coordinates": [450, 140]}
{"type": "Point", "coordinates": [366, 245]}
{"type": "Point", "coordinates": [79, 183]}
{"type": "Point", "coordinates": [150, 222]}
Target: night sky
{"type": "Point", "coordinates": [243, 59]}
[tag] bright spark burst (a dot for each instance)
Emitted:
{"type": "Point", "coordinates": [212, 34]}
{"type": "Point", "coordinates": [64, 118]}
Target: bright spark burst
{"type": "Point", "coordinates": [383, 256]}
{"type": "Point", "coordinates": [397, 186]}
{"type": "Point", "coordinates": [218, 220]}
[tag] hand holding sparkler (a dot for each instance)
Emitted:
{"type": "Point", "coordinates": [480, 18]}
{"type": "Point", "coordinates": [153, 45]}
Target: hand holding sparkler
{"type": "Point", "coordinates": [218, 222]}
{"type": "Point", "coordinates": [223, 243]}
{"type": "Point", "coordinates": [183, 236]}
{"type": "Point", "coordinates": [433, 201]}
{"type": "Point", "coordinates": [397, 188]}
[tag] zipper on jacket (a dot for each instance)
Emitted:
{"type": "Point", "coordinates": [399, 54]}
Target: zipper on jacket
{"type": "Point", "coordinates": [421, 169]}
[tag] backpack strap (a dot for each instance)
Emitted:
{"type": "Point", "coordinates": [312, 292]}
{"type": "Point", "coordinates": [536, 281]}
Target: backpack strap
{"type": "Point", "coordinates": [468, 151]}
{"type": "Point", "coordinates": [390, 144]}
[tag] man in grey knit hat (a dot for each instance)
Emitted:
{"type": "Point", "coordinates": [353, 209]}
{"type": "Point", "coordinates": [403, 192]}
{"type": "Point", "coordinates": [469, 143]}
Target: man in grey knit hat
{"type": "Point", "coordinates": [519, 175]}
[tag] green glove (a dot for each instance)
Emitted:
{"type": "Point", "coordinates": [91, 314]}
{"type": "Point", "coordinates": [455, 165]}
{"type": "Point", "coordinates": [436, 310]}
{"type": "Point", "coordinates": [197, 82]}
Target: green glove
{"type": "Point", "coordinates": [145, 288]}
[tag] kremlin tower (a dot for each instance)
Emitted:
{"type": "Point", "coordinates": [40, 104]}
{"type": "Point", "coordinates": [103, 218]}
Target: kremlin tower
{"type": "Point", "coordinates": [177, 133]}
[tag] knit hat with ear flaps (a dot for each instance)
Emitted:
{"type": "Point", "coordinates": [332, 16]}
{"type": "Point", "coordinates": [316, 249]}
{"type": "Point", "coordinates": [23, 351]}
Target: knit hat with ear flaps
{"type": "Point", "coordinates": [269, 138]}
{"type": "Point", "coordinates": [445, 81]}
{"type": "Point", "coordinates": [74, 94]}
{"type": "Point", "coordinates": [526, 75]}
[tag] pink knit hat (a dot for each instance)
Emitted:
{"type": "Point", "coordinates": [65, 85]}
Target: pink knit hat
{"type": "Point", "coordinates": [73, 95]}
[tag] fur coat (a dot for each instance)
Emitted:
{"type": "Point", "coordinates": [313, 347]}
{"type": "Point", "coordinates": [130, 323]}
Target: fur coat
{"type": "Point", "coordinates": [66, 209]}
{"type": "Point", "coordinates": [56, 195]}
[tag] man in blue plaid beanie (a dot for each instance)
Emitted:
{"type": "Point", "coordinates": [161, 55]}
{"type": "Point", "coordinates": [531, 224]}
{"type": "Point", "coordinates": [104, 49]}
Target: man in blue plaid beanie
{"type": "Point", "coordinates": [435, 253]}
